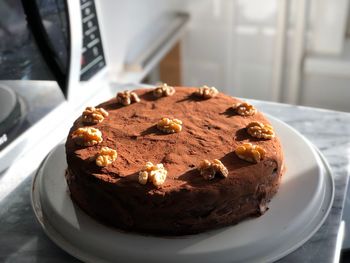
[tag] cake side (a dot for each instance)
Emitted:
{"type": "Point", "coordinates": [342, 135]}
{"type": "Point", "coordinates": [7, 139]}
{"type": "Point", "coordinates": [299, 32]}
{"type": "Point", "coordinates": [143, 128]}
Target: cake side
{"type": "Point", "coordinates": [186, 203]}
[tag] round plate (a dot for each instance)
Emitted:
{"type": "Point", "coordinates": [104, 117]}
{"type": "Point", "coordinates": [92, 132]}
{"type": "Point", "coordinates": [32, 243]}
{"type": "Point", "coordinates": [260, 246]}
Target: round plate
{"type": "Point", "coordinates": [8, 101]}
{"type": "Point", "coordinates": [296, 213]}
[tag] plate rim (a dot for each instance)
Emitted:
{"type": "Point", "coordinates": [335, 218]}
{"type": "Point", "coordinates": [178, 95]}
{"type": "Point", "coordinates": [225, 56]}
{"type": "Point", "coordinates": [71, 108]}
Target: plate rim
{"type": "Point", "coordinates": [78, 253]}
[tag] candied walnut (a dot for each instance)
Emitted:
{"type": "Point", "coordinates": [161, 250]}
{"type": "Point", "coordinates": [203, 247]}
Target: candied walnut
{"type": "Point", "coordinates": [159, 178]}
{"type": "Point", "coordinates": [87, 136]}
{"type": "Point", "coordinates": [244, 109]}
{"type": "Point", "coordinates": [163, 91]}
{"type": "Point", "coordinates": [106, 156]}
{"type": "Point", "coordinates": [127, 97]}
{"type": "Point", "coordinates": [219, 167]}
{"type": "Point", "coordinates": [206, 92]}
{"type": "Point", "coordinates": [260, 130]}
{"type": "Point", "coordinates": [143, 177]}
{"type": "Point", "coordinates": [250, 152]}
{"type": "Point", "coordinates": [156, 174]}
{"type": "Point", "coordinates": [209, 169]}
{"type": "Point", "coordinates": [205, 170]}
{"type": "Point", "coordinates": [94, 115]}
{"type": "Point", "coordinates": [169, 125]}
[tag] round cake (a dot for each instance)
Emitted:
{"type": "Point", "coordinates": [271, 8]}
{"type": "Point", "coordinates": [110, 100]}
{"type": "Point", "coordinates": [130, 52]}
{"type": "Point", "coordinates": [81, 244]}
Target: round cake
{"type": "Point", "coordinates": [173, 161]}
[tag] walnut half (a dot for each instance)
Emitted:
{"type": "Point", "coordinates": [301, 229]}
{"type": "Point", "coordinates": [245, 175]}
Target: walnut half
{"type": "Point", "coordinates": [250, 152]}
{"type": "Point", "coordinates": [206, 92]}
{"type": "Point", "coordinates": [169, 125]}
{"type": "Point", "coordinates": [127, 97]}
{"type": "Point", "coordinates": [261, 131]}
{"type": "Point", "coordinates": [92, 115]}
{"type": "Point", "coordinates": [87, 136]}
{"type": "Point", "coordinates": [244, 109]}
{"type": "Point", "coordinates": [156, 174]}
{"type": "Point", "coordinates": [209, 169]}
{"type": "Point", "coordinates": [163, 91]}
{"type": "Point", "coordinates": [106, 156]}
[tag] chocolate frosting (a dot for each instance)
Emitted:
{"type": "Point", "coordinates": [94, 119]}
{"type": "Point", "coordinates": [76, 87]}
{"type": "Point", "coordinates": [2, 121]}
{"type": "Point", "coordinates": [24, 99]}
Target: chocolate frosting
{"type": "Point", "coordinates": [186, 203]}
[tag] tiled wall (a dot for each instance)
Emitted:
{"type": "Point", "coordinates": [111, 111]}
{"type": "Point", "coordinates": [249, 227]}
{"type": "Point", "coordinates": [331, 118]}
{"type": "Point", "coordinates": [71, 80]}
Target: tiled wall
{"type": "Point", "coordinates": [230, 45]}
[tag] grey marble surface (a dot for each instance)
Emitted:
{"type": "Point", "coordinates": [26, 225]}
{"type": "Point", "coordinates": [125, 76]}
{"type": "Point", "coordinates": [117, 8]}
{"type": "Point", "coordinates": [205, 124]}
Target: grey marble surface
{"type": "Point", "coordinates": [23, 240]}
{"type": "Point", "coordinates": [329, 131]}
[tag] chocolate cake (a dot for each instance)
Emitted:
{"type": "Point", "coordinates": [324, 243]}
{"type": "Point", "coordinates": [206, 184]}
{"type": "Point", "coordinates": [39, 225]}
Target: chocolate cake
{"type": "Point", "coordinates": [216, 166]}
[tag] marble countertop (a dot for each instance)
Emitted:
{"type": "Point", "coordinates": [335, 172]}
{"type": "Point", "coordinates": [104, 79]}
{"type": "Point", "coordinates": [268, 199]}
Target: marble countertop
{"type": "Point", "coordinates": [23, 240]}
{"type": "Point", "coordinates": [329, 131]}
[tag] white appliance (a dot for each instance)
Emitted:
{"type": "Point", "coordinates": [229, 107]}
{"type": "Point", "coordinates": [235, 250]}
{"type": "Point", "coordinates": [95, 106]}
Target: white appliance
{"type": "Point", "coordinates": [74, 46]}
{"type": "Point", "coordinates": [73, 57]}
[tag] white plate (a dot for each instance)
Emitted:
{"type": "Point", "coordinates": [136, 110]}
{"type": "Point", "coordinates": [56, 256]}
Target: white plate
{"type": "Point", "coordinates": [296, 213]}
{"type": "Point", "coordinates": [8, 101]}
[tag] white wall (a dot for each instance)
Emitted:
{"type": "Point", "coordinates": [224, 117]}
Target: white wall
{"type": "Point", "coordinates": [326, 67]}
{"type": "Point", "coordinates": [230, 45]}
{"type": "Point", "coordinates": [124, 21]}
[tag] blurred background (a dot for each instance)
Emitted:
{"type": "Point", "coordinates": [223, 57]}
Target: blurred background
{"type": "Point", "coordinates": [292, 51]}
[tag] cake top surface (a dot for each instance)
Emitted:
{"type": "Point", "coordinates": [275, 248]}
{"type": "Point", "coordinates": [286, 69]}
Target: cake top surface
{"type": "Point", "coordinates": [211, 129]}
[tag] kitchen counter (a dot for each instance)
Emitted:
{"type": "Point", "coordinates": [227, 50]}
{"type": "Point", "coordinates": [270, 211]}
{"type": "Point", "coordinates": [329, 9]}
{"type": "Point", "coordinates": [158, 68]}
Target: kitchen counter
{"type": "Point", "coordinates": [23, 240]}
